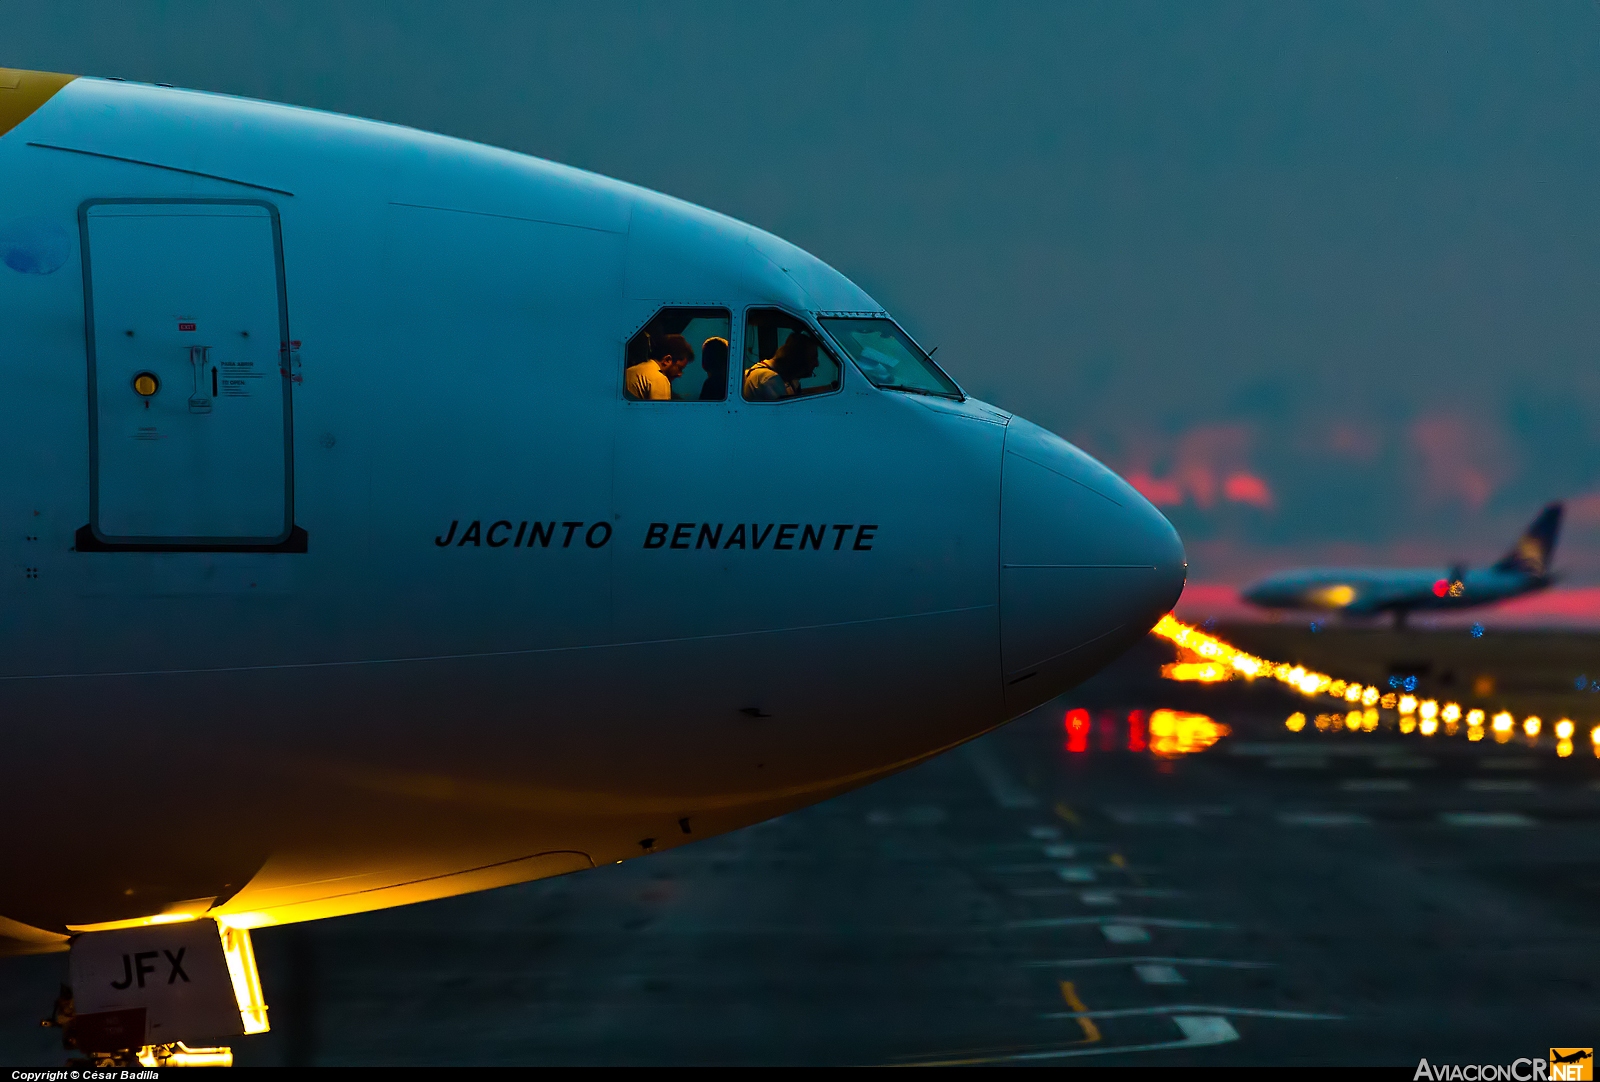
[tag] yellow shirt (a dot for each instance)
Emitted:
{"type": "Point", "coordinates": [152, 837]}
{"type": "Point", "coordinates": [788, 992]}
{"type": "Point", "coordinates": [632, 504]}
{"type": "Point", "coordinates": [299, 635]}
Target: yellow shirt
{"type": "Point", "coordinates": [763, 384]}
{"type": "Point", "coordinates": [647, 383]}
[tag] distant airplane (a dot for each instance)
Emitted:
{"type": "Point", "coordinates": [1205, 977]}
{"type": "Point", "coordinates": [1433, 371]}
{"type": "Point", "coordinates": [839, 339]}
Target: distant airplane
{"type": "Point", "coordinates": [1370, 591]}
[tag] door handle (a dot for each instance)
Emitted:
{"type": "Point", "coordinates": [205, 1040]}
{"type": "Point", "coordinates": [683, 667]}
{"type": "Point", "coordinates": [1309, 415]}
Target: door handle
{"type": "Point", "coordinates": [200, 359]}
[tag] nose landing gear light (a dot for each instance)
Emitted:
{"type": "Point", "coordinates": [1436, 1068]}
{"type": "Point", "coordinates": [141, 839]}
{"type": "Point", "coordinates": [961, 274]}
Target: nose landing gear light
{"type": "Point", "coordinates": [151, 995]}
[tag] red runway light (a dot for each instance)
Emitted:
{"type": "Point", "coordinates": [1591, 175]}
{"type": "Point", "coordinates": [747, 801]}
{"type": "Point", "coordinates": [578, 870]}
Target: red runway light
{"type": "Point", "coordinates": [1441, 587]}
{"type": "Point", "coordinates": [1136, 738]}
{"type": "Point", "coordinates": [1077, 722]}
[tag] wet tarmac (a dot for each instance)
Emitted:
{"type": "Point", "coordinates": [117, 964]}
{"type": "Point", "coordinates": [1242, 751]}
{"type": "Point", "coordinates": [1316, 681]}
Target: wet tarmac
{"type": "Point", "coordinates": [1287, 899]}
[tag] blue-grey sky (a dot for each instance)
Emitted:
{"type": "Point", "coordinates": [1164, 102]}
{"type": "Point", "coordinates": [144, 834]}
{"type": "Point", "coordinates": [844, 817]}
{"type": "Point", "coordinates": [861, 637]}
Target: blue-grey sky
{"type": "Point", "coordinates": [1321, 277]}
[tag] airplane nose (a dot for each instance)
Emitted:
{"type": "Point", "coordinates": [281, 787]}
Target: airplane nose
{"type": "Point", "coordinates": [1087, 565]}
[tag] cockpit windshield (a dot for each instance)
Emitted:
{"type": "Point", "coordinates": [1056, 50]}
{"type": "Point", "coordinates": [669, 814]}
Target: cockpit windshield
{"type": "Point", "coordinates": [888, 357]}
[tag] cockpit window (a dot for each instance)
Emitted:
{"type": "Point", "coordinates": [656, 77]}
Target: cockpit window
{"type": "Point", "coordinates": [784, 358]}
{"type": "Point", "coordinates": [888, 357]}
{"type": "Point", "coordinates": [681, 355]}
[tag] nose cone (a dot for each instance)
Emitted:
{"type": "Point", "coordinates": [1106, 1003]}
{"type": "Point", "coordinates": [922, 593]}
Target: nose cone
{"type": "Point", "coordinates": [1087, 566]}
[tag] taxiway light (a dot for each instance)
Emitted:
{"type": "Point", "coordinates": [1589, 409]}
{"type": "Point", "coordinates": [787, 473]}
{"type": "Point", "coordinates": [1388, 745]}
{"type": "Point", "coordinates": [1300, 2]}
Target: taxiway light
{"type": "Point", "coordinates": [1369, 698]}
{"type": "Point", "coordinates": [1474, 717]}
{"type": "Point", "coordinates": [1407, 704]}
{"type": "Point", "coordinates": [1531, 727]}
{"type": "Point", "coordinates": [1563, 748]}
{"type": "Point", "coordinates": [1451, 712]}
{"type": "Point", "coordinates": [1565, 729]}
{"type": "Point", "coordinates": [1429, 726]}
{"type": "Point", "coordinates": [1503, 722]}
{"type": "Point", "coordinates": [1428, 710]}
{"type": "Point", "coordinates": [1352, 694]}
{"type": "Point", "coordinates": [146, 384]}
{"type": "Point", "coordinates": [1594, 736]}
{"type": "Point", "coordinates": [1295, 722]}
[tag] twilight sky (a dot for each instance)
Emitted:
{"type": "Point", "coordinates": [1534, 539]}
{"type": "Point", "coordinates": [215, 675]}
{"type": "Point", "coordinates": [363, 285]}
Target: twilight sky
{"type": "Point", "coordinates": [1322, 279]}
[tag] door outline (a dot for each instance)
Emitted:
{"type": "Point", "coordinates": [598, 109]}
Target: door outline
{"type": "Point", "coordinates": [88, 537]}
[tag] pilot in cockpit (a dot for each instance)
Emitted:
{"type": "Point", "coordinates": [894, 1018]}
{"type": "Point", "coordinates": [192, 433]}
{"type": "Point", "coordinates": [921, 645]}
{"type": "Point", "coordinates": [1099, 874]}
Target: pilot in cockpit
{"type": "Point", "coordinates": [714, 359]}
{"type": "Point", "coordinates": [779, 376]}
{"type": "Point", "coordinates": [651, 380]}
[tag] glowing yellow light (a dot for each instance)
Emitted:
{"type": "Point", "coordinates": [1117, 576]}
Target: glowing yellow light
{"type": "Point", "coordinates": [1408, 723]}
{"type": "Point", "coordinates": [1337, 689]}
{"type": "Point", "coordinates": [1333, 597]}
{"type": "Point", "coordinates": [1174, 733]}
{"type": "Point", "coordinates": [1201, 672]}
{"type": "Point", "coordinates": [1369, 720]}
{"type": "Point", "coordinates": [1428, 710]}
{"type": "Point", "coordinates": [1563, 748]}
{"type": "Point", "coordinates": [181, 1055]}
{"type": "Point", "coordinates": [1296, 673]}
{"type": "Point", "coordinates": [1352, 720]}
{"type": "Point", "coordinates": [1428, 726]}
{"type": "Point", "coordinates": [1594, 736]}
{"type": "Point", "coordinates": [1565, 729]}
{"type": "Point", "coordinates": [1451, 712]}
{"type": "Point", "coordinates": [246, 983]}
{"type": "Point", "coordinates": [1475, 732]}
{"type": "Point", "coordinates": [1503, 722]}
{"type": "Point", "coordinates": [1531, 727]}
{"type": "Point", "coordinates": [1369, 697]}
{"type": "Point", "coordinates": [1407, 704]}
{"type": "Point", "coordinates": [1352, 693]}
{"type": "Point", "coordinates": [1295, 722]}
{"type": "Point", "coordinates": [1474, 717]}
{"type": "Point", "coordinates": [1388, 701]}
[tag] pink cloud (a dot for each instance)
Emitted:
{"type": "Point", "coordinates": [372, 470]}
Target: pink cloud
{"type": "Point", "coordinates": [1208, 464]}
{"type": "Point", "coordinates": [1247, 488]}
{"type": "Point", "coordinates": [1460, 461]}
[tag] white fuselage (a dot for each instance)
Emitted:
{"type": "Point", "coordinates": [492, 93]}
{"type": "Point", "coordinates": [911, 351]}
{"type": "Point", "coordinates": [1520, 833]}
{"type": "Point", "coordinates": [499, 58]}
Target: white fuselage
{"type": "Point", "coordinates": [370, 695]}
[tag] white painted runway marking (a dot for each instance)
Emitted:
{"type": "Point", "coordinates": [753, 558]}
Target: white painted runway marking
{"type": "Point", "coordinates": [1006, 790]}
{"type": "Point", "coordinates": [1190, 1008]}
{"type": "Point", "coordinates": [1323, 819]}
{"type": "Point", "coordinates": [1148, 959]}
{"type": "Point", "coordinates": [1153, 922]}
{"type": "Point", "coordinates": [1108, 896]}
{"type": "Point", "coordinates": [1198, 1031]}
{"type": "Point", "coordinates": [1044, 834]}
{"type": "Point", "coordinates": [1061, 852]}
{"type": "Point", "coordinates": [1158, 973]}
{"type": "Point", "coordinates": [1485, 819]}
{"type": "Point", "coordinates": [1501, 785]}
{"type": "Point", "coordinates": [1350, 751]}
{"type": "Point", "coordinates": [1375, 785]}
{"type": "Point", "coordinates": [1125, 933]}
{"type": "Point", "coordinates": [1155, 815]}
{"type": "Point", "coordinates": [1404, 762]}
{"type": "Point", "coordinates": [1076, 873]}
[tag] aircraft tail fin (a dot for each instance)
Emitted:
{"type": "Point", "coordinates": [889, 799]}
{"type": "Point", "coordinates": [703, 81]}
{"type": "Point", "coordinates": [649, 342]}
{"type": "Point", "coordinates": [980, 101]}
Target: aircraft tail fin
{"type": "Point", "coordinates": [1533, 550]}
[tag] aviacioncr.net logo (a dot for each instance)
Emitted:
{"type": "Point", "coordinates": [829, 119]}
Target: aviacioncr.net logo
{"type": "Point", "coordinates": [1563, 1065]}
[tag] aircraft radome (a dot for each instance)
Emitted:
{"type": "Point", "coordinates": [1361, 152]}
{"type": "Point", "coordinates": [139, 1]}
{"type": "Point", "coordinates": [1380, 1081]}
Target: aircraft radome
{"type": "Point", "coordinates": [390, 516]}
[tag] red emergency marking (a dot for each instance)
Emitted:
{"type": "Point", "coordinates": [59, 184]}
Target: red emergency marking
{"type": "Point", "coordinates": [186, 326]}
{"type": "Point", "coordinates": [1077, 722]}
